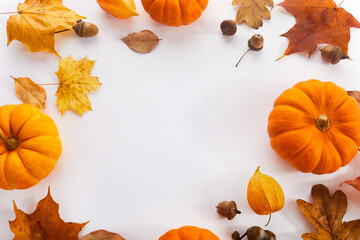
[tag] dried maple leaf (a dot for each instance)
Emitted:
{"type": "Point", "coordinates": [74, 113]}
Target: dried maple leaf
{"type": "Point", "coordinates": [37, 21]}
{"type": "Point", "coordinates": [354, 94]}
{"type": "Point", "coordinates": [355, 183]}
{"type": "Point", "coordinates": [75, 83]}
{"type": "Point", "coordinates": [142, 42]}
{"type": "Point", "coordinates": [29, 92]}
{"type": "Point", "coordinates": [253, 11]}
{"type": "Point", "coordinates": [326, 215]}
{"type": "Point", "coordinates": [44, 223]}
{"type": "Point", "coordinates": [119, 8]}
{"type": "Point", "coordinates": [102, 235]}
{"type": "Point", "coordinates": [317, 21]}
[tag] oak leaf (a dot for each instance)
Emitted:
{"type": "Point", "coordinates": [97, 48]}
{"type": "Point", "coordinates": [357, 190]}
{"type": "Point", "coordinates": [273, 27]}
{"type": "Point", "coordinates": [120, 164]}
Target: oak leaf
{"type": "Point", "coordinates": [317, 22]}
{"type": "Point", "coordinates": [326, 215]}
{"type": "Point", "coordinates": [37, 21]}
{"type": "Point", "coordinates": [75, 83]}
{"type": "Point", "coordinates": [355, 94]}
{"type": "Point", "coordinates": [119, 8]}
{"type": "Point", "coordinates": [29, 92]}
{"type": "Point", "coordinates": [253, 11]}
{"type": "Point", "coordinates": [355, 183]}
{"type": "Point", "coordinates": [143, 42]}
{"type": "Point", "coordinates": [44, 223]}
{"type": "Point", "coordinates": [102, 235]}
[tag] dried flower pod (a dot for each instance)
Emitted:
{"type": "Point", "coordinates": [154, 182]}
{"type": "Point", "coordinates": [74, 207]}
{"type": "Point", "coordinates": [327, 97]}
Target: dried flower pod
{"type": "Point", "coordinates": [256, 42]}
{"type": "Point", "coordinates": [228, 27]}
{"type": "Point", "coordinates": [333, 54]}
{"type": "Point", "coordinates": [227, 209]}
{"type": "Point", "coordinates": [85, 29]}
{"type": "Point", "coordinates": [255, 233]}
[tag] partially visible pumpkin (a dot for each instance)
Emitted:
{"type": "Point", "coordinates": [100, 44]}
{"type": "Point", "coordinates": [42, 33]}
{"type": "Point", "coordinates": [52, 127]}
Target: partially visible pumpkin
{"type": "Point", "coordinates": [315, 126]}
{"type": "Point", "coordinates": [29, 146]}
{"type": "Point", "coordinates": [189, 233]}
{"type": "Point", "coordinates": [174, 12]}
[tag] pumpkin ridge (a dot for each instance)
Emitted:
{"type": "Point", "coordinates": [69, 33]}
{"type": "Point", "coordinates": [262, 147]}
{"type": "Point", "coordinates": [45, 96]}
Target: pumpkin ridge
{"type": "Point", "coordinates": [27, 169]}
{"type": "Point", "coordinates": [181, 10]}
{"type": "Point", "coordinates": [5, 175]}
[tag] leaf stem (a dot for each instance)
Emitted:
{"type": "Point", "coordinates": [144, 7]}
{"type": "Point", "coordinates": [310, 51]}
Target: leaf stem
{"type": "Point", "coordinates": [242, 57]}
{"type": "Point", "coordinates": [268, 220]}
{"type": "Point", "coordinates": [48, 84]}
{"type": "Point", "coordinates": [341, 3]}
{"type": "Point", "coordinates": [8, 12]}
{"type": "Point", "coordinates": [62, 31]}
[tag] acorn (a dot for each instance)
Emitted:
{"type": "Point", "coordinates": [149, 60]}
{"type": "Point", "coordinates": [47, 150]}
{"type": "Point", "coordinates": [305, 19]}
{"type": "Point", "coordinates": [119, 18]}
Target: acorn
{"type": "Point", "coordinates": [333, 54]}
{"type": "Point", "coordinates": [227, 209]}
{"type": "Point", "coordinates": [255, 43]}
{"type": "Point", "coordinates": [255, 233]}
{"type": "Point", "coordinates": [228, 27]}
{"type": "Point", "coordinates": [85, 29]}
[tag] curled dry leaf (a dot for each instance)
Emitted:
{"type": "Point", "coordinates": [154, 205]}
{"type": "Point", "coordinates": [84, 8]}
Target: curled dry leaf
{"type": "Point", "coordinates": [264, 194]}
{"type": "Point", "coordinates": [102, 235]}
{"type": "Point", "coordinates": [142, 42]}
{"type": "Point", "coordinates": [37, 21]}
{"type": "Point", "coordinates": [354, 94]}
{"type": "Point", "coordinates": [326, 215]}
{"type": "Point", "coordinates": [253, 11]}
{"type": "Point", "coordinates": [317, 21]}
{"type": "Point", "coordinates": [75, 83]}
{"type": "Point", "coordinates": [355, 183]}
{"type": "Point", "coordinates": [44, 223]}
{"type": "Point", "coordinates": [29, 92]}
{"type": "Point", "coordinates": [119, 8]}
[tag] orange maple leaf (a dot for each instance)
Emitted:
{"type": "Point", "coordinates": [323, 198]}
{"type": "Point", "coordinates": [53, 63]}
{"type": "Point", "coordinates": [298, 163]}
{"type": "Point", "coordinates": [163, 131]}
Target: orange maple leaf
{"type": "Point", "coordinates": [44, 224]}
{"type": "Point", "coordinates": [317, 21]}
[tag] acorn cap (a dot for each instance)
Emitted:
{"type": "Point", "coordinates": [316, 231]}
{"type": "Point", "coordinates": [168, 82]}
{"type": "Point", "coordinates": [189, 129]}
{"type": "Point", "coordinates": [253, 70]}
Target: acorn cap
{"type": "Point", "coordinates": [333, 54]}
{"type": "Point", "coordinates": [256, 42]}
{"type": "Point", "coordinates": [228, 27]}
{"type": "Point", "coordinates": [227, 209]}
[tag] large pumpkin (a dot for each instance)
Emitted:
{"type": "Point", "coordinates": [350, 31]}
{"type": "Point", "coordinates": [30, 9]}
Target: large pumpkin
{"type": "Point", "coordinates": [174, 12]}
{"type": "Point", "coordinates": [315, 126]}
{"type": "Point", "coordinates": [29, 148]}
{"type": "Point", "coordinates": [189, 233]}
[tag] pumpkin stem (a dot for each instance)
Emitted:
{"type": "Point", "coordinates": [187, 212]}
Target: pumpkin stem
{"type": "Point", "coordinates": [323, 123]}
{"type": "Point", "coordinates": [11, 143]}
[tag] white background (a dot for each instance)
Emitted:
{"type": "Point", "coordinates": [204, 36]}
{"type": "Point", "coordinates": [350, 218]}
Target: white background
{"type": "Point", "coordinates": [173, 132]}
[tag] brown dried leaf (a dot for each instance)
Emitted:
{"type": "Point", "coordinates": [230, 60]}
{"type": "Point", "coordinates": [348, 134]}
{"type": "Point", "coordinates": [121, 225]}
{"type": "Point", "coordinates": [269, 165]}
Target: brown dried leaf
{"type": "Point", "coordinates": [29, 92]}
{"type": "Point", "coordinates": [326, 215]}
{"type": "Point", "coordinates": [142, 42]}
{"type": "Point", "coordinates": [44, 223]}
{"type": "Point", "coordinates": [354, 183]}
{"type": "Point", "coordinates": [253, 12]}
{"type": "Point", "coordinates": [102, 235]}
{"type": "Point", "coordinates": [354, 94]}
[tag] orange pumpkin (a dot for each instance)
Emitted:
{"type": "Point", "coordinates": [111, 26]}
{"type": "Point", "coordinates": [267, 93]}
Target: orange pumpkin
{"type": "Point", "coordinates": [189, 233]}
{"type": "Point", "coordinates": [174, 12]}
{"type": "Point", "coordinates": [29, 148]}
{"type": "Point", "coordinates": [315, 126]}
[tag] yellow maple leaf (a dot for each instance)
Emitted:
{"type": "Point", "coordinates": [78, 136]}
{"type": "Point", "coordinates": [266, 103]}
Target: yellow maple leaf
{"type": "Point", "coordinates": [75, 83]}
{"type": "Point", "coordinates": [253, 11]}
{"type": "Point", "coordinates": [37, 21]}
{"type": "Point", "coordinates": [119, 8]}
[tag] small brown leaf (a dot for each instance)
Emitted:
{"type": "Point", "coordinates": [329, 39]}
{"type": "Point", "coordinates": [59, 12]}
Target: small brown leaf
{"type": "Point", "coordinates": [354, 183]}
{"type": "Point", "coordinates": [354, 94]}
{"type": "Point", "coordinates": [142, 42]}
{"type": "Point", "coordinates": [102, 235]}
{"type": "Point", "coordinates": [326, 215]}
{"type": "Point", "coordinates": [29, 92]}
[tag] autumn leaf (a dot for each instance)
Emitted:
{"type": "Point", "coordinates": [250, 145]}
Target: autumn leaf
{"type": "Point", "coordinates": [326, 215]}
{"type": "Point", "coordinates": [119, 8]}
{"type": "Point", "coordinates": [37, 21]}
{"type": "Point", "coordinates": [29, 92]}
{"type": "Point", "coordinates": [355, 183]}
{"type": "Point", "coordinates": [253, 11]}
{"type": "Point", "coordinates": [75, 83]}
{"type": "Point", "coordinates": [44, 223]}
{"type": "Point", "coordinates": [142, 42]}
{"type": "Point", "coordinates": [317, 22]}
{"type": "Point", "coordinates": [102, 235]}
{"type": "Point", "coordinates": [264, 194]}
{"type": "Point", "coordinates": [354, 94]}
